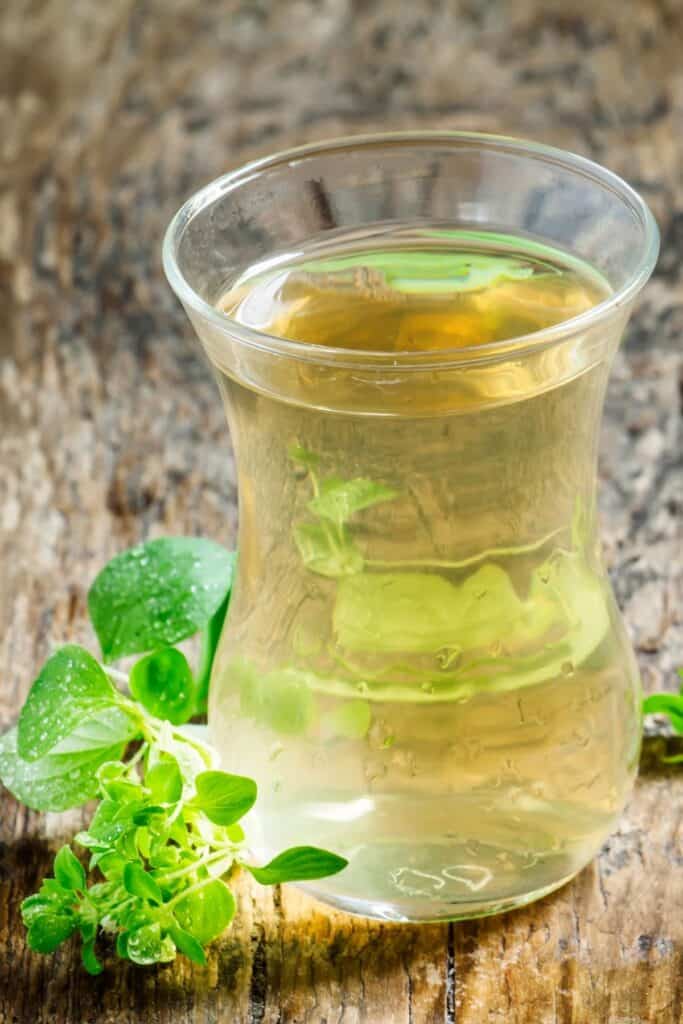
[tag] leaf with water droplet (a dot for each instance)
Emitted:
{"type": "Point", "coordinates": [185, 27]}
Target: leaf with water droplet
{"type": "Point", "coordinates": [163, 683]}
{"type": "Point", "coordinates": [55, 782]}
{"type": "Point", "coordinates": [70, 690]}
{"type": "Point", "coordinates": [207, 912]}
{"type": "Point", "coordinates": [159, 593]}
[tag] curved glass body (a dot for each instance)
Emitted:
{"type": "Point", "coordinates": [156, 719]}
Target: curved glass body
{"type": "Point", "coordinates": [423, 666]}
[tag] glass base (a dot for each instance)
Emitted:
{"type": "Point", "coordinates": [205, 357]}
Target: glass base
{"type": "Point", "coordinates": [429, 911]}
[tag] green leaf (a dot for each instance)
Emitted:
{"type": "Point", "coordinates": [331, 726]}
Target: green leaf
{"type": "Point", "coordinates": [158, 593]}
{"type": "Point", "coordinates": [89, 958]}
{"type": "Point", "coordinates": [280, 699]}
{"type": "Point", "coordinates": [162, 682]}
{"type": "Point", "coordinates": [350, 720]}
{"type": "Point", "coordinates": [71, 688]}
{"type": "Point", "coordinates": [210, 638]}
{"type": "Point", "coordinates": [414, 272]}
{"type": "Point", "coordinates": [188, 945]}
{"type": "Point", "coordinates": [224, 798]}
{"type": "Point", "coordinates": [164, 780]}
{"type": "Point", "coordinates": [325, 553]}
{"type": "Point", "coordinates": [56, 782]}
{"type": "Point", "coordinates": [139, 882]}
{"type": "Point", "coordinates": [68, 870]}
{"type": "Point", "coordinates": [340, 499]}
{"type": "Point", "coordinates": [146, 945]}
{"type": "Point", "coordinates": [303, 456]}
{"type": "Point", "coordinates": [116, 783]}
{"type": "Point", "coordinates": [666, 704]}
{"type": "Point", "coordinates": [108, 728]}
{"type": "Point", "coordinates": [207, 912]}
{"type": "Point", "coordinates": [299, 864]}
{"type": "Point", "coordinates": [47, 931]}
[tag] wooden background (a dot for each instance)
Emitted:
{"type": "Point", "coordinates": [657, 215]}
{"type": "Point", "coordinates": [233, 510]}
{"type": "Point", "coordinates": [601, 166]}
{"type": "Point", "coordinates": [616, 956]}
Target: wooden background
{"type": "Point", "coordinates": [111, 431]}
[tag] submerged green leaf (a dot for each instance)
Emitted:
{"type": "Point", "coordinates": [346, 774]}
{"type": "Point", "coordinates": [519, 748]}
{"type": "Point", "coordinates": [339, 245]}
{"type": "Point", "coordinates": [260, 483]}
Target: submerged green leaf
{"type": "Point", "coordinates": [338, 500]}
{"type": "Point", "coordinates": [324, 552]}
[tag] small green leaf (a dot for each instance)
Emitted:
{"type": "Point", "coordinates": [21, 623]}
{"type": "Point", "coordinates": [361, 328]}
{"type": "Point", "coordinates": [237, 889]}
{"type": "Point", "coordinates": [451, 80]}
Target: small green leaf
{"type": "Point", "coordinates": [340, 499]}
{"type": "Point", "coordinates": [70, 689]}
{"type": "Point", "coordinates": [56, 782]}
{"type": "Point", "coordinates": [146, 945]}
{"type": "Point", "coordinates": [325, 553]}
{"type": "Point", "coordinates": [158, 593]}
{"type": "Point", "coordinates": [116, 784]}
{"type": "Point", "coordinates": [350, 720]}
{"type": "Point", "coordinates": [47, 931]}
{"type": "Point", "coordinates": [68, 870]}
{"type": "Point", "coordinates": [666, 704]}
{"type": "Point", "coordinates": [188, 945]}
{"type": "Point", "coordinates": [279, 699]}
{"type": "Point", "coordinates": [299, 864]}
{"type": "Point", "coordinates": [89, 958]}
{"type": "Point", "coordinates": [224, 798]}
{"type": "Point", "coordinates": [139, 882]}
{"type": "Point", "coordinates": [303, 456]}
{"type": "Point", "coordinates": [207, 912]}
{"type": "Point", "coordinates": [164, 780]}
{"type": "Point", "coordinates": [162, 682]}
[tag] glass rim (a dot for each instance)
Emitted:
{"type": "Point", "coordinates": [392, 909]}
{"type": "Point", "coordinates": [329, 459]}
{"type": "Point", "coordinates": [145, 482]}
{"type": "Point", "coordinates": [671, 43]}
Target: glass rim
{"type": "Point", "coordinates": [519, 345]}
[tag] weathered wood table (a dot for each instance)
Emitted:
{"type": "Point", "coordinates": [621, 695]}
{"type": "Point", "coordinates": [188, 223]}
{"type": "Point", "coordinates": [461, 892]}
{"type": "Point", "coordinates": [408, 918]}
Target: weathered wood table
{"type": "Point", "coordinates": [110, 114]}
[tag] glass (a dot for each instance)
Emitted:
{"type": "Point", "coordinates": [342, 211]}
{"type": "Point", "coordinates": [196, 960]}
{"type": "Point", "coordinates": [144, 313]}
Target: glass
{"type": "Point", "coordinates": [423, 666]}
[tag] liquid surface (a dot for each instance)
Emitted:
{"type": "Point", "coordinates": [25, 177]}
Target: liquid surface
{"type": "Point", "coordinates": [404, 299]}
{"type": "Point", "coordinates": [423, 666]}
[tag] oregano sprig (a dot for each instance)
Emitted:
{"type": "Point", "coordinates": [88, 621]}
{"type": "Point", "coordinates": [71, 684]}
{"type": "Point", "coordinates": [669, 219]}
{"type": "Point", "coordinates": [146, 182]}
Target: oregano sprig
{"type": "Point", "coordinates": [165, 836]}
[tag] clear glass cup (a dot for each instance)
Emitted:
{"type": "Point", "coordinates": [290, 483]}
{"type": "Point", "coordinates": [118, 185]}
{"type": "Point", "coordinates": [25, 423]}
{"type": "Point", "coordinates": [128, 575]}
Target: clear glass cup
{"type": "Point", "coordinates": [438, 684]}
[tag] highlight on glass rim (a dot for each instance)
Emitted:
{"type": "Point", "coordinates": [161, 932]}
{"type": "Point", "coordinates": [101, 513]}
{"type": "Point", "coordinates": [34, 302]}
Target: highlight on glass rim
{"type": "Point", "coordinates": [403, 684]}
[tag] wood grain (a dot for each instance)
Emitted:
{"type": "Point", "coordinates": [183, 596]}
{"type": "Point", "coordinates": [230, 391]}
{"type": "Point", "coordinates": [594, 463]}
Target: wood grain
{"type": "Point", "coordinates": [110, 114]}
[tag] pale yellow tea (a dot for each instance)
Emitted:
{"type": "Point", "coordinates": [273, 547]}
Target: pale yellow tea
{"type": "Point", "coordinates": [423, 668]}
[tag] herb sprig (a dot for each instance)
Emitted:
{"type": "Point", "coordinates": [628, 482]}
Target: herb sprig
{"type": "Point", "coordinates": [671, 705]}
{"type": "Point", "coordinates": [165, 836]}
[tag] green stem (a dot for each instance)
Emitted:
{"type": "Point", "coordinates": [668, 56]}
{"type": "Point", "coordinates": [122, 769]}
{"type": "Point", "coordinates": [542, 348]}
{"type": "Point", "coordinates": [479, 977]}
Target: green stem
{"type": "Point", "coordinates": [463, 563]}
{"type": "Point", "coordinates": [116, 675]}
{"type": "Point", "coordinates": [189, 868]}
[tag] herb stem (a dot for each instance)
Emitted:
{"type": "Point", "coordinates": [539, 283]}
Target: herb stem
{"type": "Point", "coordinates": [116, 675]}
{"type": "Point", "coordinates": [209, 858]}
{"type": "Point", "coordinates": [463, 563]}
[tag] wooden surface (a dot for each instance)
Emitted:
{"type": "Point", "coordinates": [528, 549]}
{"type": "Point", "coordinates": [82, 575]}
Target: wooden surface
{"type": "Point", "coordinates": [111, 431]}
